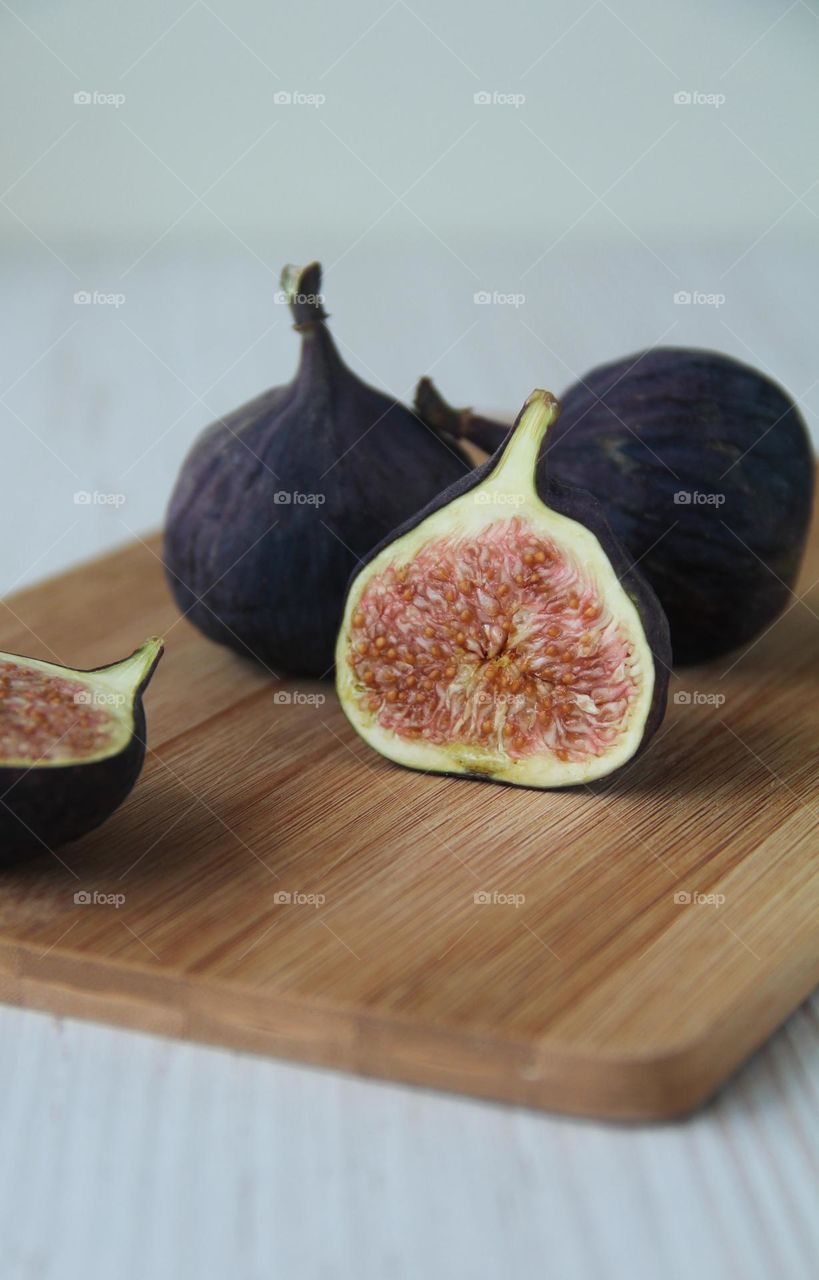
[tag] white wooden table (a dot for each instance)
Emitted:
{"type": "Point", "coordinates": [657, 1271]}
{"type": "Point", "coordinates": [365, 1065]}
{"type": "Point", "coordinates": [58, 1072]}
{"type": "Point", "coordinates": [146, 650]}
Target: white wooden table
{"type": "Point", "coordinates": [127, 1156]}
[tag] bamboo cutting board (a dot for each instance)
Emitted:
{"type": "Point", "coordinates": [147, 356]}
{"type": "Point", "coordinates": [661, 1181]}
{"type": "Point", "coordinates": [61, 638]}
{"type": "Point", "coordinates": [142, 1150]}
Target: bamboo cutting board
{"type": "Point", "coordinates": [278, 887]}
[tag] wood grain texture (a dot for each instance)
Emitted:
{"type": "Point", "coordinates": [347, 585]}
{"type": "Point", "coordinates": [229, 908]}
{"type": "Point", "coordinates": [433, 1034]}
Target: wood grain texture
{"type": "Point", "coordinates": [597, 993]}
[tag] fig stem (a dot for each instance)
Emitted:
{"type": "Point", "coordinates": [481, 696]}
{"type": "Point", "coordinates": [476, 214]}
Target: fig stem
{"type": "Point", "coordinates": [302, 288]}
{"type": "Point", "coordinates": [436, 413]}
{"type": "Point", "coordinates": [515, 470]}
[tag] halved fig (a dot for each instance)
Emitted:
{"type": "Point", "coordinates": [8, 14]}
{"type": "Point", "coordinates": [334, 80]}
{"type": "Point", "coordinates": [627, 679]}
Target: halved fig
{"type": "Point", "coordinates": [72, 745]}
{"type": "Point", "coordinates": [503, 634]}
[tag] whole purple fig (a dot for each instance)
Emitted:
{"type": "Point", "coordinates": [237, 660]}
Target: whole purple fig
{"type": "Point", "coordinates": [278, 502]}
{"type": "Point", "coordinates": [705, 470]}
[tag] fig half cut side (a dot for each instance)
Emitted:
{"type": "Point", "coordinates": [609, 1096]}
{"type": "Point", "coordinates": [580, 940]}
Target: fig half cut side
{"type": "Point", "coordinates": [72, 744]}
{"type": "Point", "coordinates": [502, 633]}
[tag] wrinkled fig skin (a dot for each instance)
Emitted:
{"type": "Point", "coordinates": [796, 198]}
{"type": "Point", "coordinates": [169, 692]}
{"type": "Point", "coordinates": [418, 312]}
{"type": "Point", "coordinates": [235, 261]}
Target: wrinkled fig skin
{"type": "Point", "coordinates": [672, 421]}
{"type": "Point", "coordinates": [585, 509]}
{"type": "Point", "coordinates": [43, 808]}
{"type": "Point", "coordinates": [268, 578]}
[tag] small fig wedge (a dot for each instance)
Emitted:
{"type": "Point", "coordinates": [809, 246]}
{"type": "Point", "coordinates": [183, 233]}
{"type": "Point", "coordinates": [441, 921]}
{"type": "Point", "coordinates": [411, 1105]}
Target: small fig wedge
{"type": "Point", "coordinates": [277, 502]}
{"type": "Point", "coordinates": [501, 633]}
{"type": "Point", "coordinates": [72, 745]}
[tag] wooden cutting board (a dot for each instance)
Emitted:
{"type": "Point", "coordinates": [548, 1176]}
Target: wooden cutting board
{"type": "Point", "coordinates": [283, 889]}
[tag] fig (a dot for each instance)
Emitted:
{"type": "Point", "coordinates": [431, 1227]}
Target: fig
{"type": "Point", "coordinates": [705, 472]}
{"type": "Point", "coordinates": [277, 502]}
{"type": "Point", "coordinates": [500, 633]}
{"type": "Point", "coordinates": [72, 745]}
{"type": "Point", "coordinates": [705, 469]}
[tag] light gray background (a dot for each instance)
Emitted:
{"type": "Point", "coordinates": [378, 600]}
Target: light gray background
{"type": "Point", "coordinates": [199, 83]}
{"type": "Point", "coordinates": [596, 200]}
{"type": "Point", "coordinates": [593, 201]}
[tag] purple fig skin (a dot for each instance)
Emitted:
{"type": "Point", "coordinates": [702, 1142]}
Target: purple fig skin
{"type": "Point", "coordinates": [43, 807]}
{"type": "Point", "coordinates": [583, 508]}
{"type": "Point", "coordinates": [639, 433]}
{"type": "Point", "coordinates": [678, 421]}
{"type": "Point", "coordinates": [267, 576]}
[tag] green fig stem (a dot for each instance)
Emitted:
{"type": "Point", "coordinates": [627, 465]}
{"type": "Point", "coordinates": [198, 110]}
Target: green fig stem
{"type": "Point", "coordinates": [515, 471]}
{"type": "Point", "coordinates": [302, 288]}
